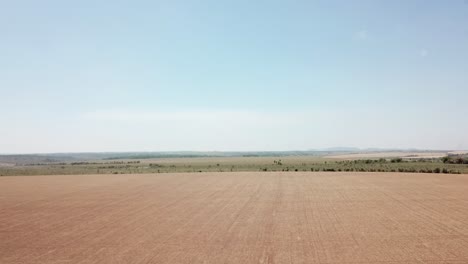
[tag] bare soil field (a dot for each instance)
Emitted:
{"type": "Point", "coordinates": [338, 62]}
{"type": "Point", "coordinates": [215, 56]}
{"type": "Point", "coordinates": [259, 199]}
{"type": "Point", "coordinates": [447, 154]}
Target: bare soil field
{"type": "Point", "coordinates": [395, 154]}
{"type": "Point", "coordinates": [239, 217]}
{"type": "Point", "coordinates": [233, 160]}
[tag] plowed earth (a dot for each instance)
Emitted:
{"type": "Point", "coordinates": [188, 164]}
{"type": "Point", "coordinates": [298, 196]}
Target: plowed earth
{"type": "Point", "coordinates": [256, 217]}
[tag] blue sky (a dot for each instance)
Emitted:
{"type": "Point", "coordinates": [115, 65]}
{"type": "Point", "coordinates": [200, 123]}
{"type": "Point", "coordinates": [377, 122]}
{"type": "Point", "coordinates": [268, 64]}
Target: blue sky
{"type": "Point", "coordinates": [232, 75]}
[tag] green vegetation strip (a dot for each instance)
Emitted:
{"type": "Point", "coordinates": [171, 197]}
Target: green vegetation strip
{"type": "Point", "coordinates": [452, 165]}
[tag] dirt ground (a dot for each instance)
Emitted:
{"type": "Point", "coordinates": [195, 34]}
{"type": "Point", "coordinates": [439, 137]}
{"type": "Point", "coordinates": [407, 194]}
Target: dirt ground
{"type": "Point", "coordinates": [241, 217]}
{"type": "Point", "coordinates": [374, 155]}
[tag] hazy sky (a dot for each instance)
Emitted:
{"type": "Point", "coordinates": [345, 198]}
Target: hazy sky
{"type": "Point", "coordinates": [232, 75]}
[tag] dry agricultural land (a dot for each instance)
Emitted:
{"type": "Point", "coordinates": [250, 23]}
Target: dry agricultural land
{"type": "Point", "coordinates": [238, 217]}
{"type": "Point", "coordinates": [394, 154]}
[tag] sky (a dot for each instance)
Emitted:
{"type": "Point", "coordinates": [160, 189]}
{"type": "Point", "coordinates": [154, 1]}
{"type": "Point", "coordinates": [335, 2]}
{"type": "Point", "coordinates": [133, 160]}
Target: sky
{"type": "Point", "coordinates": [85, 76]}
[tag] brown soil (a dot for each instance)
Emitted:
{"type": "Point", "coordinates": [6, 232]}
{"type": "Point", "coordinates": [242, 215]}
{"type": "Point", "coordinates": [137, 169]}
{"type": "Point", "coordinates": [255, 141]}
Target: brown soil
{"type": "Point", "coordinates": [237, 217]}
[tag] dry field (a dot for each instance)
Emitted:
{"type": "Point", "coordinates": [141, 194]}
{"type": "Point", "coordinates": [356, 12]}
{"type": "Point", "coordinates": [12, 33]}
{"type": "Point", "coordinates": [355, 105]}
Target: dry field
{"type": "Point", "coordinates": [395, 154]}
{"type": "Point", "coordinates": [241, 217]}
{"type": "Point", "coordinates": [234, 160]}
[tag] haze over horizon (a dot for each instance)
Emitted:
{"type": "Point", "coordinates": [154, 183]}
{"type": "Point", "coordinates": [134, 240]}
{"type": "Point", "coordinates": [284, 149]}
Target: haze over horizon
{"type": "Point", "coordinates": [209, 152]}
{"type": "Point", "coordinates": [232, 75]}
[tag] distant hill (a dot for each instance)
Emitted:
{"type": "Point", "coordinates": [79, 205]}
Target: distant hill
{"type": "Point", "coordinates": [340, 149]}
